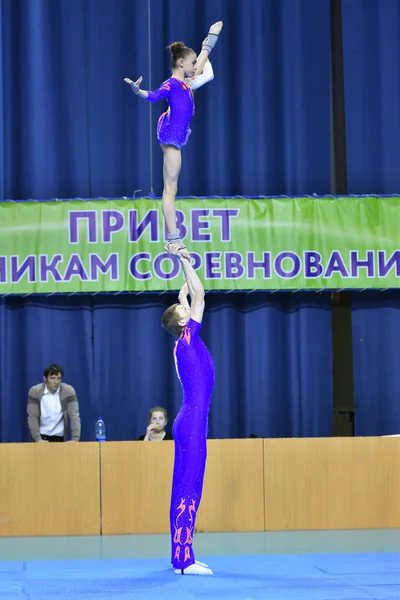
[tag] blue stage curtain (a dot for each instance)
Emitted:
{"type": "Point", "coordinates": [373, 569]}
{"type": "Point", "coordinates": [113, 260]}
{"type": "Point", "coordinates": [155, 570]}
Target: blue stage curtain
{"type": "Point", "coordinates": [134, 366]}
{"type": "Point", "coordinates": [376, 326]}
{"type": "Point", "coordinates": [371, 56]}
{"type": "Point", "coordinates": [273, 362]}
{"type": "Point", "coordinates": [72, 128]}
{"type": "Point", "coordinates": [272, 355]}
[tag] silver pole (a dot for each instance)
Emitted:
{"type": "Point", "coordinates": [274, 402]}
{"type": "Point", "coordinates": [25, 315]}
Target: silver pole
{"type": "Point", "coordinates": [151, 193]}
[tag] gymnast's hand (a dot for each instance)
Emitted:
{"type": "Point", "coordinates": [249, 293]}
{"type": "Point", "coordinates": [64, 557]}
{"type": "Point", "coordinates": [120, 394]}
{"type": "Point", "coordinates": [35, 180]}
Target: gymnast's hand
{"type": "Point", "coordinates": [178, 249]}
{"type": "Point", "coordinates": [135, 85]}
{"type": "Point", "coordinates": [152, 428]}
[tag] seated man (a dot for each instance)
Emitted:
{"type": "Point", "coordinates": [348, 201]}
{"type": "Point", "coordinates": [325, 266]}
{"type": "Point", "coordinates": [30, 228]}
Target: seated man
{"type": "Point", "coordinates": [52, 405]}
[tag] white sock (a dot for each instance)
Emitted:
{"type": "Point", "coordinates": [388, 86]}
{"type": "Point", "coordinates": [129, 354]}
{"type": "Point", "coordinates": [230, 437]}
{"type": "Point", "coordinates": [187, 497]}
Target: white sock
{"type": "Point", "coordinates": [195, 569]}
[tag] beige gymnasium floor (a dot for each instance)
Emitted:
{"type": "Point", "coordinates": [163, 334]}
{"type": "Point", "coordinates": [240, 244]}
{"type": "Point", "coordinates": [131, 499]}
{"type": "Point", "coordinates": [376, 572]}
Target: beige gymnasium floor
{"type": "Point", "coordinates": [206, 544]}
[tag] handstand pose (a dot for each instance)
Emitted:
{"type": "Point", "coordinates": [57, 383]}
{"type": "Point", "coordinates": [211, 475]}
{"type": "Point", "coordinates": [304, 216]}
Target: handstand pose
{"type": "Point", "coordinates": [189, 72]}
{"type": "Point", "coordinates": [195, 369]}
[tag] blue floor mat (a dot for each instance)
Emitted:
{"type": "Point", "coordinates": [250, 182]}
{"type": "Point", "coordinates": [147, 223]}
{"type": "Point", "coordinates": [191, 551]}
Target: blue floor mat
{"type": "Point", "coordinates": [258, 577]}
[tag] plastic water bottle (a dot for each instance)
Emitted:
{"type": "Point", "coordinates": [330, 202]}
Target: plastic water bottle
{"type": "Point", "coordinates": [100, 430]}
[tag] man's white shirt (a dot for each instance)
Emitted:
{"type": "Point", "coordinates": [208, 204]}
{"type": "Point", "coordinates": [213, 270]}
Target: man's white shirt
{"type": "Point", "coordinates": [51, 416]}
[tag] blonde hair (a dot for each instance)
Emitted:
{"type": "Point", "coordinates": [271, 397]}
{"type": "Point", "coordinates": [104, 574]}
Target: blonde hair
{"type": "Point", "coordinates": [170, 321]}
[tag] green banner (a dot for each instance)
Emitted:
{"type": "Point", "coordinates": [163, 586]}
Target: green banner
{"type": "Point", "coordinates": [237, 244]}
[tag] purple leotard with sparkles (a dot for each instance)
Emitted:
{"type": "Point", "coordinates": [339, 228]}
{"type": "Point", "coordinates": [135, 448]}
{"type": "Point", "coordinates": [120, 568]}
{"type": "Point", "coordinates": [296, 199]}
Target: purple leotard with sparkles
{"type": "Point", "coordinates": [173, 125]}
{"type": "Point", "coordinates": [195, 369]}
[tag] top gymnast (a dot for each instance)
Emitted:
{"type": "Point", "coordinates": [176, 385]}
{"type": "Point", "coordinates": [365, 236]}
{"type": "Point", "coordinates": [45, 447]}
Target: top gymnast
{"type": "Point", "coordinates": [189, 72]}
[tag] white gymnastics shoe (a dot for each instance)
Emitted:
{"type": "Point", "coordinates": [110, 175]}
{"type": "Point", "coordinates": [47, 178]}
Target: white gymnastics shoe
{"type": "Point", "coordinates": [195, 569]}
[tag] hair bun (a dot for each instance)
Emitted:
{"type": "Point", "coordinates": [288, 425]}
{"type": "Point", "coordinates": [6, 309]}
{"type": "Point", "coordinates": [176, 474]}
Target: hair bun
{"type": "Point", "coordinates": [179, 50]}
{"type": "Point", "coordinates": [176, 47]}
